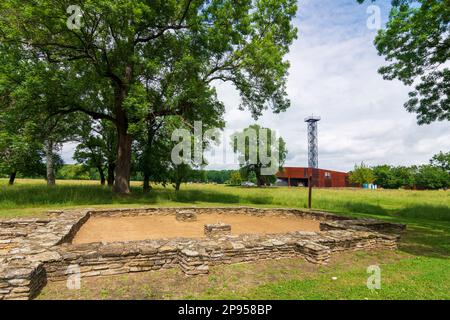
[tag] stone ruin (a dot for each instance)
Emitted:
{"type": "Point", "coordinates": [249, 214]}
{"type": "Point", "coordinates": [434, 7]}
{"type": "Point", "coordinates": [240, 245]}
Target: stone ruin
{"type": "Point", "coordinates": [34, 251]}
{"type": "Point", "coordinates": [186, 215]}
{"type": "Point", "coordinates": [217, 230]}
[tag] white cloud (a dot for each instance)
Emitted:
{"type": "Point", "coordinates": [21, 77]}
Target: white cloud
{"type": "Point", "coordinates": [334, 74]}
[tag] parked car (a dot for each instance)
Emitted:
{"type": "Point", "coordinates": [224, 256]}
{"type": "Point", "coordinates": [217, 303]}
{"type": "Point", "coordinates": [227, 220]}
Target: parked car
{"type": "Point", "coordinates": [248, 184]}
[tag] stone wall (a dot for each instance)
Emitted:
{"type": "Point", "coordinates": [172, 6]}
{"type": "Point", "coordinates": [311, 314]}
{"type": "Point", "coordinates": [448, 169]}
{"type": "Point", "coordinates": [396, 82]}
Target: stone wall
{"type": "Point", "coordinates": [34, 250]}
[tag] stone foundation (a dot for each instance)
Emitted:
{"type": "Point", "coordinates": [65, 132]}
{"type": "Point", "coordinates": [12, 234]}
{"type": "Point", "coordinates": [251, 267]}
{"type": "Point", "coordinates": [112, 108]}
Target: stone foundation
{"type": "Point", "coordinates": [33, 251]}
{"type": "Point", "coordinates": [217, 230]}
{"type": "Point", "coordinates": [186, 215]}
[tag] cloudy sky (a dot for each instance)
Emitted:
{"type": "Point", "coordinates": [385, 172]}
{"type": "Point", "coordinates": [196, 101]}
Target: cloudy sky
{"type": "Point", "coordinates": [334, 75]}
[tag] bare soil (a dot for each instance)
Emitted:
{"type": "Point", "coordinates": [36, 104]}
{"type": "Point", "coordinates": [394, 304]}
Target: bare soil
{"type": "Point", "coordinates": [110, 229]}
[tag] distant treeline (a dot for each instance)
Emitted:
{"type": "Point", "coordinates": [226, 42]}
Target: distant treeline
{"type": "Point", "coordinates": [435, 175]}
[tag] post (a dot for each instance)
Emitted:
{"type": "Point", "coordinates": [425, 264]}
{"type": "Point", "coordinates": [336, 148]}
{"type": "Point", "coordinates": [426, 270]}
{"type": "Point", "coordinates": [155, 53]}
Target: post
{"type": "Point", "coordinates": [309, 191]}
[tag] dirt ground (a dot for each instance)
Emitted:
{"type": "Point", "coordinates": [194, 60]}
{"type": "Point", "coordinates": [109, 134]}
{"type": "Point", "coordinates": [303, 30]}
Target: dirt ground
{"type": "Point", "coordinates": [109, 229]}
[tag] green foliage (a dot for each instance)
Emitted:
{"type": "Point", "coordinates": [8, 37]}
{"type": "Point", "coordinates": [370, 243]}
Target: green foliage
{"type": "Point", "coordinates": [236, 179]}
{"type": "Point", "coordinates": [361, 174]}
{"type": "Point", "coordinates": [390, 177]}
{"type": "Point", "coordinates": [429, 177]}
{"type": "Point", "coordinates": [218, 176]}
{"type": "Point", "coordinates": [19, 153]}
{"type": "Point", "coordinates": [434, 176]}
{"type": "Point", "coordinates": [136, 61]}
{"type": "Point", "coordinates": [97, 147]}
{"type": "Point", "coordinates": [74, 172]}
{"type": "Point", "coordinates": [441, 160]}
{"type": "Point", "coordinates": [257, 142]}
{"type": "Point", "coordinates": [416, 43]}
{"type": "Point", "coordinates": [180, 174]}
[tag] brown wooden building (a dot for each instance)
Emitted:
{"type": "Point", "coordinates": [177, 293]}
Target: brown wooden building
{"type": "Point", "coordinates": [321, 178]}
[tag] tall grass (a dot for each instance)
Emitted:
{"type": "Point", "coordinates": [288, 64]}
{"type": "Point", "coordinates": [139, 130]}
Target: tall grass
{"type": "Point", "coordinates": [34, 194]}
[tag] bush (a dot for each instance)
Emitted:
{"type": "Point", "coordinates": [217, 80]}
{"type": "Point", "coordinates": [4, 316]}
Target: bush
{"type": "Point", "coordinates": [430, 177]}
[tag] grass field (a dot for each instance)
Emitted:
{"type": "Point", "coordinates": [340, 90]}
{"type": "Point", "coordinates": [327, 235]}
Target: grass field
{"type": "Point", "coordinates": [420, 269]}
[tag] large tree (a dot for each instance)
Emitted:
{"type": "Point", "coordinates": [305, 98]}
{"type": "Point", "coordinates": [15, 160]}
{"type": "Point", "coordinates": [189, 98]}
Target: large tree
{"type": "Point", "coordinates": [259, 150]}
{"type": "Point", "coordinates": [155, 58]}
{"type": "Point", "coordinates": [416, 43]}
{"type": "Point", "coordinates": [29, 88]}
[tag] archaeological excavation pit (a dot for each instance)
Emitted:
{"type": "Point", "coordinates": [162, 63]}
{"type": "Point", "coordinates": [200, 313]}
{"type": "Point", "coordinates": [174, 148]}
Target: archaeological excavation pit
{"type": "Point", "coordinates": [111, 229]}
{"type": "Point", "coordinates": [117, 241]}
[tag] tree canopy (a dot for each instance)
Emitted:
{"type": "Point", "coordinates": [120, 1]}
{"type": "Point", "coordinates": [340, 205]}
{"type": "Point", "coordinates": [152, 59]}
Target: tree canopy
{"type": "Point", "coordinates": [133, 61]}
{"type": "Point", "coordinates": [416, 44]}
{"type": "Point", "coordinates": [260, 153]}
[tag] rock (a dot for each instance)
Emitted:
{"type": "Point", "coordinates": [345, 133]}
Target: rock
{"type": "Point", "coordinates": [190, 253]}
{"type": "Point", "coordinates": [186, 216]}
{"type": "Point", "coordinates": [47, 256]}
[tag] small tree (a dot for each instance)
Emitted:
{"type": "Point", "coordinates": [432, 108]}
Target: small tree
{"type": "Point", "coordinates": [180, 174]}
{"type": "Point", "coordinates": [361, 175]}
{"type": "Point", "coordinates": [97, 148]}
{"type": "Point", "coordinates": [235, 179]}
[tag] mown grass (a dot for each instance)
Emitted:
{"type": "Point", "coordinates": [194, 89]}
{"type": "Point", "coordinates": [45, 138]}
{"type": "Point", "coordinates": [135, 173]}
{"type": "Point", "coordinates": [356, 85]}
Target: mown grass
{"type": "Point", "coordinates": [421, 272]}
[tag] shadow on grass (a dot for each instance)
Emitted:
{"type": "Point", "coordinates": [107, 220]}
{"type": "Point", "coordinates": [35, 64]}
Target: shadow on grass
{"type": "Point", "coordinates": [64, 195]}
{"type": "Point", "coordinates": [425, 212]}
{"type": "Point", "coordinates": [428, 227]}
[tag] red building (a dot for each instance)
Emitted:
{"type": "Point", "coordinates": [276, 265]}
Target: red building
{"type": "Point", "coordinates": [294, 176]}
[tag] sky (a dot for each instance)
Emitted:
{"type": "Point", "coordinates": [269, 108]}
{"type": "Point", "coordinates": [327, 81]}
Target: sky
{"type": "Point", "coordinates": [334, 75]}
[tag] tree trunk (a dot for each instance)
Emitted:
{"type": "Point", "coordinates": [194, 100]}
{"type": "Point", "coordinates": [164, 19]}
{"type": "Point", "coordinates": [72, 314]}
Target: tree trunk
{"type": "Point", "coordinates": [102, 175]}
{"type": "Point", "coordinates": [123, 166]}
{"type": "Point", "coordinates": [111, 168]}
{"type": "Point", "coordinates": [177, 186]}
{"type": "Point", "coordinates": [51, 180]}
{"type": "Point", "coordinates": [259, 177]}
{"type": "Point", "coordinates": [12, 177]}
{"type": "Point", "coordinates": [124, 140]}
{"type": "Point", "coordinates": [147, 186]}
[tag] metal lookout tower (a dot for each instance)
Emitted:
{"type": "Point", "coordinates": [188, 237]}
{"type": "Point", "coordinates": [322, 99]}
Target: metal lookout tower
{"type": "Point", "coordinates": [313, 145]}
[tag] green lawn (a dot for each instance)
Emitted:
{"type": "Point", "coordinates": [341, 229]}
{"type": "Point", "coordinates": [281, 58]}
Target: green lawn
{"type": "Point", "coordinates": [420, 269]}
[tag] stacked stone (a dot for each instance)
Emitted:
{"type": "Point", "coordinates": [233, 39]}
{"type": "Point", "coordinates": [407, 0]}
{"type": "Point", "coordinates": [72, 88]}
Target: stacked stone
{"type": "Point", "coordinates": [314, 252]}
{"type": "Point", "coordinates": [98, 259]}
{"type": "Point", "coordinates": [22, 281]}
{"type": "Point", "coordinates": [186, 216]}
{"type": "Point", "coordinates": [364, 225]}
{"type": "Point", "coordinates": [193, 263]}
{"type": "Point", "coordinates": [217, 230]}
